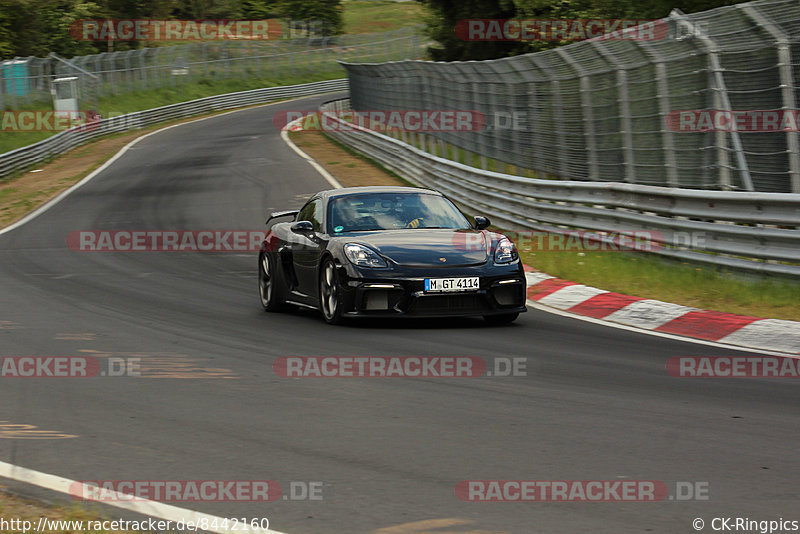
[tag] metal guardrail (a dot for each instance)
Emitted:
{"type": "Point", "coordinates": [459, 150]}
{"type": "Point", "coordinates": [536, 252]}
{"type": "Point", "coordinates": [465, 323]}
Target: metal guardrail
{"type": "Point", "coordinates": [601, 110]}
{"type": "Point", "coordinates": [26, 156]}
{"type": "Point", "coordinates": [757, 232]}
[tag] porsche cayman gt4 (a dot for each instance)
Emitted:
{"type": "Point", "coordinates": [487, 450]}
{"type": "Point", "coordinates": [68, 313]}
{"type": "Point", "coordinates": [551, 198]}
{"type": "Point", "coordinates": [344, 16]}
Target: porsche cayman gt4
{"type": "Point", "coordinates": [389, 252]}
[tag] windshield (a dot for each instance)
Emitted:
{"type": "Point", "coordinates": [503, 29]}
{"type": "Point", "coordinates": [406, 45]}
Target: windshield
{"type": "Point", "coordinates": [392, 211]}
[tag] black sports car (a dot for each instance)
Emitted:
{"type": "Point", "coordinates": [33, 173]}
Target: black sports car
{"type": "Point", "coordinates": [387, 252]}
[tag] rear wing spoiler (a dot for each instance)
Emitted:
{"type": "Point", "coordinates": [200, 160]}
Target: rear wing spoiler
{"type": "Point", "coordinates": [278, 214]}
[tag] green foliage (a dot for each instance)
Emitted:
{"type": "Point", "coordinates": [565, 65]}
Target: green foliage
{"type": "Point", "coordinates": [327, 12]}
{"type": "Point", "coordinates": [260, 9]}
{"type": "Point", "coordinates": [446, 13]}
{"type": "Point", "coordinates": [445, 16]}
{"type": "Point", "coordinates": [38, 27]}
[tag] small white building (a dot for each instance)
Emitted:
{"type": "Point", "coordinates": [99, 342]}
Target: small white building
{"type": "Point", "coordinates": [65, 95]}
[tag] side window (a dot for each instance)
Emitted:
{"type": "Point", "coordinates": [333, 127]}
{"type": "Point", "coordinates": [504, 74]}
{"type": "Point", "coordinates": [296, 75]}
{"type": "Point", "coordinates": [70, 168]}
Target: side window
{"type": "Point", "coordinates": [312, 212]}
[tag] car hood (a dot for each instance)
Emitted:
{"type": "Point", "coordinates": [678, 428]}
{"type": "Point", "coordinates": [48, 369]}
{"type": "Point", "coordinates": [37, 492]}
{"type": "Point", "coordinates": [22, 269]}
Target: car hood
{"type": "Point", "coordinates": [427, 247]}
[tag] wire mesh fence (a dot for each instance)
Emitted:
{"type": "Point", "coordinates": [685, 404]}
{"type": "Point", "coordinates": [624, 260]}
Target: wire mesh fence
{"type": "Point", "coordinates": [603, 109]}
{"type": "Point", "coordinates": [28, 81]}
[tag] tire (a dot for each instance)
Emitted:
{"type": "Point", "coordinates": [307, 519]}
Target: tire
{"type": "Point", "coordinates": [497, 320]}
{"type": "Point", "coordinates": [330, 293]}
{"type": "Point", "coordinates": [268, 275]}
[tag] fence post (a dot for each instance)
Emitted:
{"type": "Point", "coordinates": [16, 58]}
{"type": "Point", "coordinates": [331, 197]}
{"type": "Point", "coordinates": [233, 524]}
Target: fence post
{"type": "Point", "coordinates": [787, 88]}
{"type": "Point", "coordinates": [720, 96]}
{"type": "Point", "coordinates": [558, 111]}
{"type": "Point", "coordinates": [663, 110]}
{"type": "Point", "coordinates": [588, 118]}
{"type": "Point", "coordinates": [623, 101]}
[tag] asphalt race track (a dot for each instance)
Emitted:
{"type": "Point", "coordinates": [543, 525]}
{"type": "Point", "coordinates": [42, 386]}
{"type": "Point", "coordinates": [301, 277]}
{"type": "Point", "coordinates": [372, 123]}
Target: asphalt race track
{"type": "Point", "coordinates": [596, 404]}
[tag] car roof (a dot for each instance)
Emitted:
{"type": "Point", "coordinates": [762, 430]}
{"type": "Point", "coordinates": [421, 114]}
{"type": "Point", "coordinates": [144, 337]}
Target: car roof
{"type": "Point", "coordinates": [345, 191]}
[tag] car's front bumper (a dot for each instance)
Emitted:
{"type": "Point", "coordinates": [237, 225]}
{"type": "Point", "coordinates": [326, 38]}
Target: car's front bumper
{"type": "Point", "coordinates": [401, 292]}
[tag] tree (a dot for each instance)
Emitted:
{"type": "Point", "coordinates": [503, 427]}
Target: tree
{"type": "Point", "coordinates": [38, 27]}
{"type": "Point", "coordinates": [325, 15]}
{"type": "Point", "coordinates": [261, 9]}
{"type": "Point", "coordinates": [445, 14]}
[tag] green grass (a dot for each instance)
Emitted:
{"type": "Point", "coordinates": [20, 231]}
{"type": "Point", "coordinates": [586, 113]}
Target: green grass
{"type": "Point", "coordinates": [472, 159]}
{"type": "Point", "coordinates": [153, 98]}
{"type": "Point", "coordinates": [381, 15]}
{"type": "Point", "coordinates": [697, 285]}
{"type": "Point", "coordinates": [11, 140]}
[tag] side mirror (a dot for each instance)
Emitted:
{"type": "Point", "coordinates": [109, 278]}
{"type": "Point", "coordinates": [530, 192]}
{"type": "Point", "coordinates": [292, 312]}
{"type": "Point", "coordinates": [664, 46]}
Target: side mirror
{"type": "Point", "coordinates": [482, 222]}
{"type": "Point", "coordinates": [303, 227]}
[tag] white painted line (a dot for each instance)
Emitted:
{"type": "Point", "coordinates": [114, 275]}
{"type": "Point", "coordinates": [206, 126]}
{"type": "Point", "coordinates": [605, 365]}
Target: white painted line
{"type": "Point", "coordinates": [325, 174]}
{"type": "Point", "coordinates": [55, 483]}
{"type": "Point", "coordinates": [569, 296]}
{"type": "Point", "coordinates": [41, 209]}
{"type": "Point", "coordinates": [777, 333]}
{"type": "Point", "coordinates": [675, 337]}
{"type": "Point", "coordinates": [648, 313]}
{"type": "Point", "coordinates": [146, 507]}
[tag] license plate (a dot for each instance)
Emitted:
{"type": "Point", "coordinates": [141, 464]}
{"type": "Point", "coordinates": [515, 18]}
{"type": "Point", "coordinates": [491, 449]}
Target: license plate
{"type": "Point", "coordinates": [433, 285]}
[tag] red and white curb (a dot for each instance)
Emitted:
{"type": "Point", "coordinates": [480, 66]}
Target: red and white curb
{"type": "Point", "coordinates": [636, 312]}
{"type": "Point", "coordinates": [649, 314]}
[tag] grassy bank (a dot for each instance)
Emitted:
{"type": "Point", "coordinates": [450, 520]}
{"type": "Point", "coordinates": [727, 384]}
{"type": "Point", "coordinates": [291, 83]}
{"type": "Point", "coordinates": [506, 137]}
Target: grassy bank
{"type": "Point", "coordinates": [689, 284]}
{"type": "Point", "coordinates": [153, 98]}
{"type": "Point", "coordinates": [382, 15]}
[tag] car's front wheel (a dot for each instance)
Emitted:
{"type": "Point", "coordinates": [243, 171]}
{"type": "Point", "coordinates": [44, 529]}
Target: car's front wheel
{"type": "Point", "coordinates": [505, 318]}
{"type": "Point", "coordinates": [330, 301]}
{"type": "Point", "coordinates": [267, 290]}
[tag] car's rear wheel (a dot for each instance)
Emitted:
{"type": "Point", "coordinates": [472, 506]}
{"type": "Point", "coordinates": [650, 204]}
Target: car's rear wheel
{"type": "Point", "coordinates": [267, 290]}
{"type": "Point", "coordinates": [330, 301]}
{"type": "Point", "coordinates": [505, 318]}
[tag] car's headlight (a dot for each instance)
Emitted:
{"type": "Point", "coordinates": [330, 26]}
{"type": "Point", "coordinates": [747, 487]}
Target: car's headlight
{"type": "Point", "coordinates": [505, 252]}
{"type": "Point", "coordinates": [363, 256]}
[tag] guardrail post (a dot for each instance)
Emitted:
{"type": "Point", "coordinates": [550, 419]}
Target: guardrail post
{"type": "Point", "coordinates": [787, 87]}
{"type": "Point", "coordinates": [721, 98]}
